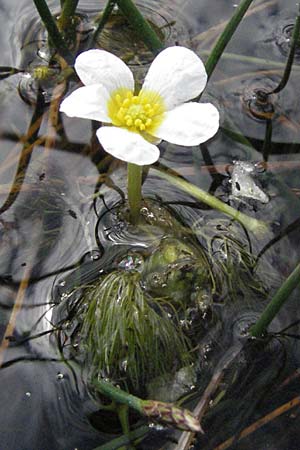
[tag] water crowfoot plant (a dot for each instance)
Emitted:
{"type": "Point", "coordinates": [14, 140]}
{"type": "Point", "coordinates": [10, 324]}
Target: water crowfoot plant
{"type": "Point", "coordinates": [129, 336]}
{"type": "Point", "coordinates": [140, 119]}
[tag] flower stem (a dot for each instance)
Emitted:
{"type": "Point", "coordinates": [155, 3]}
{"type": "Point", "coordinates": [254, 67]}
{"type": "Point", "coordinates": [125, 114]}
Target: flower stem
{"type": "Point", "coordinates": [53, 31]}
{"type": "Point", "coordinates": [163, 412]}
{"type": "Point", "coordinates": [118, 395]}
{"type": "Point", "coordinates": [257, 227]}
{"type": "Point", "coordinates": [276, 303]}
{"type": "Point", "coordinates": [134, 187]}
{"type": "Point", "coordinates": [68, 11]}
{"type": "Point", "coordinates": [140, 25]}
{"type": "Point", "coordinates": [226, 35]}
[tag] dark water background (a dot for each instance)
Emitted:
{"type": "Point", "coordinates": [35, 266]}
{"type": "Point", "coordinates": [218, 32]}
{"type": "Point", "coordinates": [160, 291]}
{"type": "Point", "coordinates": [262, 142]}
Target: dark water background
{"type": "Point", "coordinates": [52, 224]}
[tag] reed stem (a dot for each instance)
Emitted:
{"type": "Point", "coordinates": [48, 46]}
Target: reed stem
{"type": "Point", "coordinates": [226, 35]}
{"type": "Point", "coordinates": [290, 60]}
{"type": "Point", "coordinates": [140, 25]}
{"type": "Point", "coordinates": [104, 18]}
{"type": "Point", "coordinates": [67, 13]}
{"type": "Point", "coordinates": [53, 31]}
{"type": "Point", "coordinates": [276, 303]}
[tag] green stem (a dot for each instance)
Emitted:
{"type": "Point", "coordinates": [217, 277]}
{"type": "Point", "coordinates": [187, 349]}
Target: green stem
{"type": "Point", "coordinates": [134, 186]}
{"type": "Point", "coordinates": [53, 31]}
{"type": "Point", "coordinates": [167, 413]}
{"type": "Point", "coordinates": [104, 18]}
{"type": "Point", "coordinates": [118, 395]}
{"type": "Point", "coordinates": [255, 226]}
{"type": "Point", "coordinates": [290, 60]}
{"type": "Point", "coordinates": [68, 11]}
{"type": "Point", "coordinates": [124, 420]}
{"type": "Point", "coordinates": [140, 25]}
{"type": "Point", "coordinates": [276, 303]}
{"type": "Point", "coordinates": [115, 444]}
{"type": "Point", "coordinates": [226, 36]}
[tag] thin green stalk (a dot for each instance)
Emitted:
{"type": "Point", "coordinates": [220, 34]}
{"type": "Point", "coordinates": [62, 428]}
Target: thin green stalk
{"type": "Point", "coordinates": [255, 226]}
{"type": "Point", "coordinates": [140, 25]}
{"type": "Point", "coordinates": [124, 420]}
{"type": "Point", "coordinates": [104, 18]}
{"type": "Point", "coordinates": [290, 60]}
{"type": "Point", "coordinates": [118, 395]}
{"type": "Point", "coordinates": [115, 444]}
{"type": "Point", "coordinates": [68, 11]}
{"type": "Point", "coordinates": [226, 35]}
{"type": "Point", "coordinates": [53, 31]}
{"type": "Point", "coordinates": [276, 303]}
{"type": "Point", "coordinates": [162, 412]}
{"type": "Point", "coordinates": [134, 186]}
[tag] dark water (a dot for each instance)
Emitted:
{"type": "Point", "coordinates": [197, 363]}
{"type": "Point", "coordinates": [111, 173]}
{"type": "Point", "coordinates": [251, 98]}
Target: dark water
{"type": "Point", "coordinates": [53, 226]}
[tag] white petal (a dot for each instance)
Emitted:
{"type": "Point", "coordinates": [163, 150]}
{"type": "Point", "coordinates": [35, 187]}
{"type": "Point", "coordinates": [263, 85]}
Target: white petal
{"type": "Point", "coordinates": [177, 74]}
{"type": "Point", "coordinates": [127, 146]}
{"type": "Point", "coordinates": [87, 102]}
{"type": "Point", "coordinates": [101, 67]}
{"type": "Point", "coordinates": [189, 124]}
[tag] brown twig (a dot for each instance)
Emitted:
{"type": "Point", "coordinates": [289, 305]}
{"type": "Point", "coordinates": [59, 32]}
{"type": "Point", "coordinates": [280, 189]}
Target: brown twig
{"type": "Point", "coordinates": [186, 438]}
{"type": "Point", "coordinates": [261, 422]}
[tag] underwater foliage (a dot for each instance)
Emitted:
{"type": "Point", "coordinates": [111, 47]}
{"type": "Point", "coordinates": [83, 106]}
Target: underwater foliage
{"type": "Point", "coordinates": [125, 335]}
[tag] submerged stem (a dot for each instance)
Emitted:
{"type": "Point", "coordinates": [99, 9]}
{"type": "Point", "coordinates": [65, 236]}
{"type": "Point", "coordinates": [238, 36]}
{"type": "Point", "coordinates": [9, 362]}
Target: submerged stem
{"type": "Point", "coordinates": [115, 444]}
{"type": "Point", "coordinates": [118, 395]}
{"type": "Point", "coordinates": [257, 227]}
{"type": "Point", "coordinates": [134, 185]}
{"type": "Point", "coordinates": [53, 31]}
{"type": "Point", "coordinates": [162, 412]}
{"type": "Point", "coordinates": [276, 303]}
{"type": "Point", "coordinates": [226, 36]}
{"type": "Point", "coordinates": [68, 11]}
{"type": "Point", "coordinates": [140, 25]}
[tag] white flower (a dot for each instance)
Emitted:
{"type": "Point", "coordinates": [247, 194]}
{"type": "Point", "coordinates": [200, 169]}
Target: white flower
{"type": "Point", "coordinates": [158, 111]}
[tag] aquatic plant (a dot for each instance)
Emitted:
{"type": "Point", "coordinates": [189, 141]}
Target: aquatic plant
{"type": "Point", "coordinates": [126, 334]}
{"type": "Point", "coordinates": [158, 111]}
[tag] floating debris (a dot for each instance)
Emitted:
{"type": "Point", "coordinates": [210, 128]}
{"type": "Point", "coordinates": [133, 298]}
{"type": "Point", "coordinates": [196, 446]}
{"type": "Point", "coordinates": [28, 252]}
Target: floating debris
{"type": "Point", "coordinates": [244, 184]}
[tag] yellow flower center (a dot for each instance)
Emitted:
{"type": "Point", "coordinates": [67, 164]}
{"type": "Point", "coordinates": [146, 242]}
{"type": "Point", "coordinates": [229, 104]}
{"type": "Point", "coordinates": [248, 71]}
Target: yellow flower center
{"type": "Point", "coordinates": [138, 113]}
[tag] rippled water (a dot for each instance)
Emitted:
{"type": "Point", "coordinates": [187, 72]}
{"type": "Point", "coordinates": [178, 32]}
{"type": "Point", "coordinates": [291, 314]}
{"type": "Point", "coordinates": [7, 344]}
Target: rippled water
{"type": "Point", "coordinates": [55, 226]}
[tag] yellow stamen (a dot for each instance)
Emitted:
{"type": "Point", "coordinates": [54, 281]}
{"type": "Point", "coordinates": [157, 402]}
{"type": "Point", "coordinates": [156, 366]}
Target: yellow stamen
{"type": "Point", "coordinates": [136, 112]}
